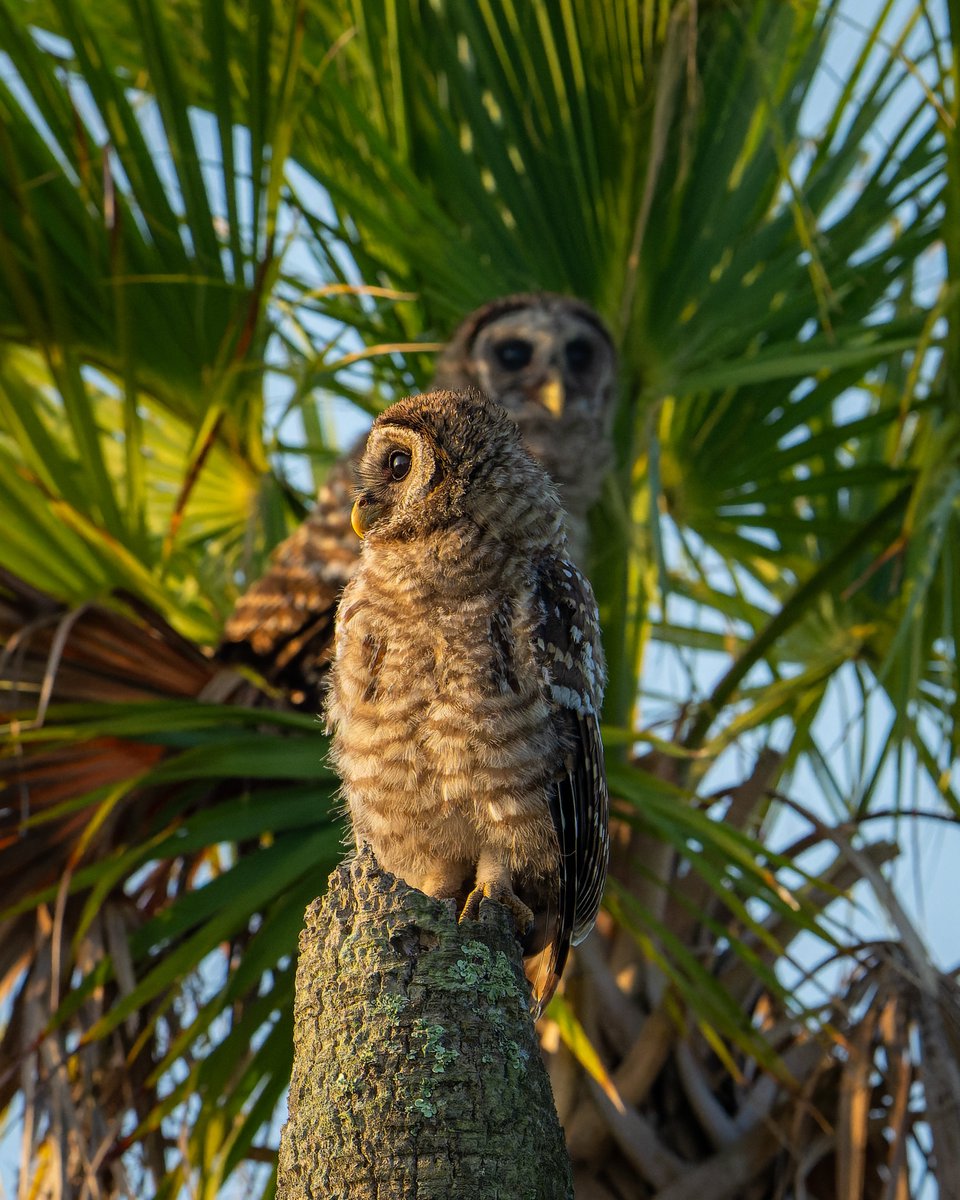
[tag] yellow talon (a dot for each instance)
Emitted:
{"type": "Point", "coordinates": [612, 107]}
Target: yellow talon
{"type": "Point", "coordinates": [501, 894]}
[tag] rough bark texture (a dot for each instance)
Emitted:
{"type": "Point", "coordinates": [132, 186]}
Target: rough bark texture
{"type": "Point", "coordinates": [417, 1073]}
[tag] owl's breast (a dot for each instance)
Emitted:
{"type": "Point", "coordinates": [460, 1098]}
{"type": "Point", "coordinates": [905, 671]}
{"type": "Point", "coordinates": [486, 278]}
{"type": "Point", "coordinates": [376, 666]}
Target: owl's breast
{"type": "Point", "coordinates": [444, 700]}
{"type": "Point", "coordinates": [488, 731]}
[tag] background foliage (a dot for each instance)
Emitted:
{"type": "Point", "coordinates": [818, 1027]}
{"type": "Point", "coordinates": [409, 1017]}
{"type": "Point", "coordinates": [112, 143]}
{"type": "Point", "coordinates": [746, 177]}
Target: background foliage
{"type": "Point", "coordinates": [227, 233]}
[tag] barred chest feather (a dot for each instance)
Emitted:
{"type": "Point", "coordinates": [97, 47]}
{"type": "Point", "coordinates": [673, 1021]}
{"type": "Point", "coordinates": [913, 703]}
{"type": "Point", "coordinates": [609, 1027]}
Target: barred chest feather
{"type": "Point", "coordinates": [443, 722]}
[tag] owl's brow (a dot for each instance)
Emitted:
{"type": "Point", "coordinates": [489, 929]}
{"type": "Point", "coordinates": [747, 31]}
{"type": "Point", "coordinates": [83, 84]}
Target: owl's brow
{"type": "Point", "coordinates": [414, 424]}
{"type": "Point", "coordinates": [591, 318]}
{"type": "Point", "coordinates": [583, 311]}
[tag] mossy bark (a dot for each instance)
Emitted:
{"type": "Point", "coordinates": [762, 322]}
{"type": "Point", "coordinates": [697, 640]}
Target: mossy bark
{"type": "Point", "coordinates": [417, 1074]}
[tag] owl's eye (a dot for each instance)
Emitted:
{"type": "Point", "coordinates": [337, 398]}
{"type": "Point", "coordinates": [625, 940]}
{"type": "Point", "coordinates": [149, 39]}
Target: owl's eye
{"type": "Point", "coordinates": [579, 354]}
{"type": "Point", "coordinates": [514, 353]}
{"type": "Point", "coordinates": [398, 464]}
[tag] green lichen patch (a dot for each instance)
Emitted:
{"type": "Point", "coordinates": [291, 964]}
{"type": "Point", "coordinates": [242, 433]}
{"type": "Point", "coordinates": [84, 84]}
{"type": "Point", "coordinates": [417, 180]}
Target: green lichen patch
{"type": "Point", "coordinates": [486, 974]}
{"type": "Point", "coordinates": [516, 1056]}
{"type": "Point", "coordinates": [390, 1005]}
{"type": "Point", "coordinates": [426, 1042]}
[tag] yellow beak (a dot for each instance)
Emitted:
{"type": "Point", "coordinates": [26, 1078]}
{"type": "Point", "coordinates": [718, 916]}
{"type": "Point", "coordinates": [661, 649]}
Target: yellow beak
{"type": "Point", "coordinates": [356, 520]}
{"type": "Point", "coordinates": [551, 396]}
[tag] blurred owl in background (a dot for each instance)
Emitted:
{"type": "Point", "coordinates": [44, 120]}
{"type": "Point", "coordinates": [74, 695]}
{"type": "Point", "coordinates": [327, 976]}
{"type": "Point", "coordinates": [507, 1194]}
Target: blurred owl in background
{"type": "Point", "coordinates": [550, 361]}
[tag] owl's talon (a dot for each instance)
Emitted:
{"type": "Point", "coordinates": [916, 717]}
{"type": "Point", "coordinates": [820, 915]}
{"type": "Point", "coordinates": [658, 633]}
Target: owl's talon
{"type": "Point", "coordinates": [522, 916]}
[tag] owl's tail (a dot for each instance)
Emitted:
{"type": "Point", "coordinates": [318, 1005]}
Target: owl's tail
{"type": "Point", "coordinates": [545, 950]}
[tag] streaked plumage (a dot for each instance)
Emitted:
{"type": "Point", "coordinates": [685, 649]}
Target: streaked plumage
{"type": "Point", "coordinates": [283, 623]}
{"type": "Point", "coordinates": [468, 676]}
{"type": "Point", "coordinates": [560, 398]}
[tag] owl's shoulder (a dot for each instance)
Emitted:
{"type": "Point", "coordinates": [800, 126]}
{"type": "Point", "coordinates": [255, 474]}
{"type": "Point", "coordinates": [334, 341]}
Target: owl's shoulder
{"type": "Point", "coordinates": [567, 636]}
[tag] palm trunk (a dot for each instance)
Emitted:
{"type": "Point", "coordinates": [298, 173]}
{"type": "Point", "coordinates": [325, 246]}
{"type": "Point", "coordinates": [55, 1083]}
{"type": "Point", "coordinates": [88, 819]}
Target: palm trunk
{"type": "Point", "coordinates": [416, 1068]}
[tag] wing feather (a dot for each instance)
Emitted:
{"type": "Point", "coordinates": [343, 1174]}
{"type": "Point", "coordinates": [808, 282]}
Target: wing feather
{"type": "Point", "coordinates": [571, 657]}
{"type": "Point", "coordinates": [283, 624]}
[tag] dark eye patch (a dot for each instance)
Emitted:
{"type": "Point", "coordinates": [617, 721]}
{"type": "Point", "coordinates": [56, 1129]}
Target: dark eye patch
{"type": "Point", "coordinates": [514, 353]}
{"type": "Point", "coordinates": [398, 464]}
{"type": "Point", "coordinates": [579, 354]}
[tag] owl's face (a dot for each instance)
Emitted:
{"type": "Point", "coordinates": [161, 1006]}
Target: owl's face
{"type": "Point", "coordinates": [549, 360]}
{"type": "Point", "coordinates": [401, 469]}
{"type": "Point", "coordinates": [545, 362]}
{"type": "Point", "coordinates": [440, 459]}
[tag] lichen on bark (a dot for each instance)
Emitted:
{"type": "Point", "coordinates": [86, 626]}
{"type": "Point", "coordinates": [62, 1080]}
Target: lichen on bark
{"type": "Point", "coordinates": [417, 1073]}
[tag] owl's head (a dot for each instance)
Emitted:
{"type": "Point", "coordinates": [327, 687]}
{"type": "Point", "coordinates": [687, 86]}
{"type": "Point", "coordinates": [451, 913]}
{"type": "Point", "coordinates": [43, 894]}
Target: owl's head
{"type": "Point", "coordinates": [544, 357]}
{"type": "Point", "coordinates": [450, 459]}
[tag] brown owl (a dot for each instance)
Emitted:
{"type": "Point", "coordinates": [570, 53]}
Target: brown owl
{"type": "Point", "coordinates": [550, 361]}
{"type": "Point", "coordinates": [468, 677]}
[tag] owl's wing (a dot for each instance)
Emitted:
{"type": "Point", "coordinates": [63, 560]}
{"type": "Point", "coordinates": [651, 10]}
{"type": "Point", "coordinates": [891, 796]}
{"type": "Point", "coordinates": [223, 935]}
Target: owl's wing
{"type": "Point", "coordinates": [283, 624]}
{"type": "Point", "coordinates": [571, 657]}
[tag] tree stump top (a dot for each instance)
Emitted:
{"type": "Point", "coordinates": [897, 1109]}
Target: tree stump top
{"type": "Point", "coordinates": [417, 1072]}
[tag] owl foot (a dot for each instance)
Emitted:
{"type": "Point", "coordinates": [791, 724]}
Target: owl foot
{"type": "Point", "coordinates": [502, 894]}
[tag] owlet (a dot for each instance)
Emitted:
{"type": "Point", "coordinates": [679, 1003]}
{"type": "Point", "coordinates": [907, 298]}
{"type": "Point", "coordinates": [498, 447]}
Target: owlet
{"type": "Point", "coordinates": [468, 677]}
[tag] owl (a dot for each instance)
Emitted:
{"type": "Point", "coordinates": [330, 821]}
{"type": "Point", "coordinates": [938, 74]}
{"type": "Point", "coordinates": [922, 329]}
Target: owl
{"type": "Point", "coordinates": [468, 676]}
{"type": "Point", "coordinates": [551, 363]}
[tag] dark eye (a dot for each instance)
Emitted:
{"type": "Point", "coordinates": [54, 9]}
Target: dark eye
{"type": "Point", "coordinates": [398, 463]}
{"type": "Point", "coordinates": [514, 354]}
{"type": "Point", "coordinates": [579, 354]}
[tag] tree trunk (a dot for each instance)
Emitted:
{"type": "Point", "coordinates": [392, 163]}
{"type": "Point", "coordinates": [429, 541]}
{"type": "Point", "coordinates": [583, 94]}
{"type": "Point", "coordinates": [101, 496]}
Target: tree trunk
{"type": "Point", "coordinates": [416, 1073]}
